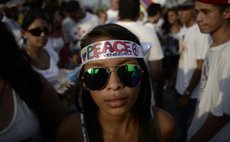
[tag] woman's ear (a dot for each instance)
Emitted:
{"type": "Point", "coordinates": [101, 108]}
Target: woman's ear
{"type": "Point", "coordinates": [226, 13]}
{"type": "Point", "coordinates": [23, 33]}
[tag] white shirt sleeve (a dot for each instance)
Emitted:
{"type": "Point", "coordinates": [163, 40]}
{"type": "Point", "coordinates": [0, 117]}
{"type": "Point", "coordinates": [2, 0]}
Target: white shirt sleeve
{"type": "Point", "coordinates": [223, 105]}
{"type": "Point", "coordinates": [155, 52]}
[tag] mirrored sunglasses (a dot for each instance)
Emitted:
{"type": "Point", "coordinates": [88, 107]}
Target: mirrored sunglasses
{"type": "Point", "coordinates": [38, 31]}
{"type": "Point", "coordinates": [97, 78]}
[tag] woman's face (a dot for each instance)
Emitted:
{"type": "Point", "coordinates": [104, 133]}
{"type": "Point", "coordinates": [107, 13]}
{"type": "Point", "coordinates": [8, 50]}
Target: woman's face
{"type": "Point", "coordinates": [57, 18]}
{"type": "Point", "coordinates": [102, 18]}
{"type": "Point", "coordinates": [37, 33]}
{"type": "Point", "coordinates": [186, 15]}
{"type": "Point", "coordinates": [172, 17]}
{"type": "Point", "coordinates": [115, 98]}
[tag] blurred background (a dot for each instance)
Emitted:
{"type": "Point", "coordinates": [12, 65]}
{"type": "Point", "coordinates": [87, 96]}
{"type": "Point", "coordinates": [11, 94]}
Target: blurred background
{"type": "Point", "coordinates": [99, 3]}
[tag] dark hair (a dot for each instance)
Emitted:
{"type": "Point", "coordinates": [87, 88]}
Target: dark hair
{"type": "Point", "coordinates": [72, 6]}
{"type": "Point", "coordinates": [222, 8]}
{"type": "Point", "coordinates": [166, 26]}
{"type": "Point", "coordinates": [141, 108]}
{"type": "Point", "coordinates": [33, 3]}
{"type": "Point", "coordinates": [129, 9]}
{"type": "Point", "coordinates": [74, 10]}
{"type": "Point", "coordinates": [51, 9]}
{"type": "Point", "coordinates": [11, 12]}
{"type": "Point", "coordinates": [153, 9]}
{"type": "Point", "coordinates": [32, 15]}
{"type": "Point", "coordinates": [100, 11]}
{"type": "Point", "coordinates": [19, 74]}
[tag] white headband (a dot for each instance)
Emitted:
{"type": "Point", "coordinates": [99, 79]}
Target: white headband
{"type": "Point", "coordinates": [113, 49]}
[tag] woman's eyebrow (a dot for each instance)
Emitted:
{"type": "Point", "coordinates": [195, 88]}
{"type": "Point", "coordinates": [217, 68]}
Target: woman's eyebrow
{"type": "Point", "coordinates": [96, 64]}
{"type": "Point", "coordinates": [128, 60]}
{"type": "Point", "coordinates": [101, 64]}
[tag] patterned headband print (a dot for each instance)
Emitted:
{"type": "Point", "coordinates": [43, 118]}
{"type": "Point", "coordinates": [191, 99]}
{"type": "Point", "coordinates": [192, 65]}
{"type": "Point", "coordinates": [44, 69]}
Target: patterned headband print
{"type": "Point", "coordinates": [112, 49]}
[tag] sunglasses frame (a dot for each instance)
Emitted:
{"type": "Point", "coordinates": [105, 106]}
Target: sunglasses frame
{"type": "Point", "coordinates": [39, 31]}
{"type": "Point", "coordinates": [109, 71]}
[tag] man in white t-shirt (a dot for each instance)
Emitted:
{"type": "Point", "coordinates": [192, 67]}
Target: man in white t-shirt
{"type": "Point", "coordinates": [193, 48]}
{"type": "Point", "coordinates": [77, 23]}
{"type": "Point", "coordinates": [211, 122]}
{"type": "Point", "coordinates": [128, 16]}
{"type": "Point", "coordinates": [154, 19]}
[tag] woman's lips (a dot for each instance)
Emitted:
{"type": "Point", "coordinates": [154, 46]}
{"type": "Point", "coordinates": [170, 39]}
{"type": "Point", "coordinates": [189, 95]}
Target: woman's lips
{"type": "Point", "coordinates": [116, 103]}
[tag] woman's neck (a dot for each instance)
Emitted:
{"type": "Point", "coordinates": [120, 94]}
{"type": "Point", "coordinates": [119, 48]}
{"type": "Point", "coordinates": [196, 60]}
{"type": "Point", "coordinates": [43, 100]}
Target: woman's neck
{"type": "Point", "coordinates": [121, 124]}
{"type": "Point", "coordinates": [175, 28]}
{"type": "Point", "coordinates": [39, 57]}
{"type": "Point", "coordinates": [33, 52]}
{"type": "Point", "coordinates": [119, 128]}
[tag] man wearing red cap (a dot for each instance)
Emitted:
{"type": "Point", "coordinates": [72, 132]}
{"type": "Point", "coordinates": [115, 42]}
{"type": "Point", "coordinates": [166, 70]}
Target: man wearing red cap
{"type": "Point", "coordinates": [212, 118]}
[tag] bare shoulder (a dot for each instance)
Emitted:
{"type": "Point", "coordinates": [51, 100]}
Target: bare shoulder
{"type": "Point", "coordinates": [70, 129]}
{"type": "Point", "coordinates": [166, 125]}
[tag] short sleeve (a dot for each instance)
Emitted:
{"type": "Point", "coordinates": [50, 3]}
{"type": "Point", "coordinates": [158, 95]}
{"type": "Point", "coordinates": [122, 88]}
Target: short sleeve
{"type": "Point", "coordinates": [223, 104]}
{"type": "Point", "coordinates": [155, 53]}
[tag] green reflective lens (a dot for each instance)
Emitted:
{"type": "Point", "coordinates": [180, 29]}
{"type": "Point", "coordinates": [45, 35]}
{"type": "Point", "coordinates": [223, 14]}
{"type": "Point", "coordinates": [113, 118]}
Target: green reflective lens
{"type": "Point", "coordinates": [130, 74]}
{"type": "Point", "coordinates": [96, 78]}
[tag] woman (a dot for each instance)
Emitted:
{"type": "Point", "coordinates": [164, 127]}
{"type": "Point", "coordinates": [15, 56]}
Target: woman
{"type": "Point", "coordinates": [43, 58]}
{"type": "Point", "coordinates": [102, 15]}
{"type": "Point", "coordinates": [169, 38]}
{"type": "Point", "coordinates": [116, 101]}
{"type": "Point", "coordinates": [35, 33]}
{"type": "Point", "coordinates": [29, 107]}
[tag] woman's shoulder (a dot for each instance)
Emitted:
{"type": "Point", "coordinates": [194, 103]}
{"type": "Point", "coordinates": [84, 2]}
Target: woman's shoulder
{"type": "Point", "coordinates": [164, 116]}
{"type": "Point", "coordinates": [166, 124]}
{"type": "Point", "coordinates": [70, 129]}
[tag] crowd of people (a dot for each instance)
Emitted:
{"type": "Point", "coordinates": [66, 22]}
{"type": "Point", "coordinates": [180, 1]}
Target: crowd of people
{"type": "Point", "coordinates": [75, 73]}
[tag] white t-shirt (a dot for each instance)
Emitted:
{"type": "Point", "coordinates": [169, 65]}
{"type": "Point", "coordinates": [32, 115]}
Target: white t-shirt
{"type": "Point", "coordinates": [112, 16]}
{"type": "Point", "coordinates": [67, 25]}
{"type": "Point", "coordinates": [145, 34]}
{"type": "Point", "coordinates": [215, 88]}
{"type": "Point", "coordinates": [78, 31]}
{"type": "Point", "coordinates": [150, 25]}
{"type": "Point", "coordinates": [51, 74]}
{"type": "Point", "coordinates": [84, 26]}
{"type": "Point", "coordinates": [156, 26]}
{"type": "Point", "coordinates": [193, 47]}
{"type": "Point", "coordinates": [23, 125]}
{"type": "Point", "coordinates": [57, 77]}
{"type": "Point", "coordinates": [57, 43]}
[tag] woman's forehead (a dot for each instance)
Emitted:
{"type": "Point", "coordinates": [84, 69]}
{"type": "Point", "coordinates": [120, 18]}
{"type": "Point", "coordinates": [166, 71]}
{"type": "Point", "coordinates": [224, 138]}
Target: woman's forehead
{"type": "Point", "coordinates": [38, 22]}
{"type": "Point", "coordinates": [111, 62]}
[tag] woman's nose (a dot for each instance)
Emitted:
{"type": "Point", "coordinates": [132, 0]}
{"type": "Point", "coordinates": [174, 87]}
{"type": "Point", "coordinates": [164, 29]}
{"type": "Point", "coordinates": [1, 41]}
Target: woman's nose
{"type": "Point", "coordinates": [114, 81]}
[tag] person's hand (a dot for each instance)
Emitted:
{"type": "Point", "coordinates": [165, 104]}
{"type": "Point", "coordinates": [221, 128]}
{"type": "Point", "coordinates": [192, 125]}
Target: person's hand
{"type": "Point", "coordinates": [65, 86]}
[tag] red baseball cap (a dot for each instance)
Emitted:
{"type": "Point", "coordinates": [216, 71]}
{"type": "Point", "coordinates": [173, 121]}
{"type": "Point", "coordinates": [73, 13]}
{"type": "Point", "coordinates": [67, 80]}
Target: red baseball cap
{"type": "Point", "coordinates": [218, 2]}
